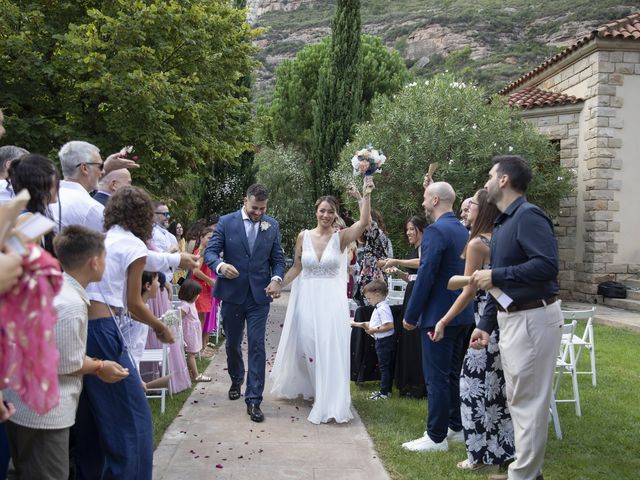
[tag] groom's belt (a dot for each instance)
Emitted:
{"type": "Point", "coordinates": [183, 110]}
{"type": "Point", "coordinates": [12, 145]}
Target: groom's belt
{"type": "Point", "coordinates": [528, 305]}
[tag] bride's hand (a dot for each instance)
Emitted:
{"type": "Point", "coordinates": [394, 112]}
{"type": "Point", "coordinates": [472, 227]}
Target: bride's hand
{"type": "Point", "coordinates": [368, 185]}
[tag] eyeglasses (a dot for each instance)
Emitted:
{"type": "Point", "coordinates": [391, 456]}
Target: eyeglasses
{"type": "Point", "coordinates": [471, 202]}
{"type": "Point", "coordinates": [166, 214]}
{"type": "Point", "coordinates": [100, 164]}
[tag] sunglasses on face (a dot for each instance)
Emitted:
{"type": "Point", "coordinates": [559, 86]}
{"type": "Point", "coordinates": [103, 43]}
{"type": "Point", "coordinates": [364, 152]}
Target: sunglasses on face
{"type": "Point", "coordinates": [100, 164]}
{"type": "Point", "coordinates": [166, 214]}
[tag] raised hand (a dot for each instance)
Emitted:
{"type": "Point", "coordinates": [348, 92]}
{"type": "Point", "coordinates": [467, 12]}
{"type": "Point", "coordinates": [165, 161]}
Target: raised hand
{"type": "Point", "coordinates": [368, 185]}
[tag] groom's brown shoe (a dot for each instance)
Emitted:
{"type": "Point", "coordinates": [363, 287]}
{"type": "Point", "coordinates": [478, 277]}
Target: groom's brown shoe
{"type": "Point", "coordinates": [255, 413]}
{"type": "Point", "coordinates": [234, 391]}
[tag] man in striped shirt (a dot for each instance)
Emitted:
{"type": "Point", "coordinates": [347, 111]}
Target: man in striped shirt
{"type": "Point", "coordinates": [39, 444]}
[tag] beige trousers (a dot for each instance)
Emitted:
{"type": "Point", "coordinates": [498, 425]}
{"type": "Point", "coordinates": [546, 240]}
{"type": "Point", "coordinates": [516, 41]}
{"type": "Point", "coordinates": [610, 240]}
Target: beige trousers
{"type": "Point", "coordinates": [529, 345]}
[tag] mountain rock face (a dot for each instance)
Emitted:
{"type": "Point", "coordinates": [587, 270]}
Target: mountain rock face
{"type": "Point", "coordinates": [496, 42]}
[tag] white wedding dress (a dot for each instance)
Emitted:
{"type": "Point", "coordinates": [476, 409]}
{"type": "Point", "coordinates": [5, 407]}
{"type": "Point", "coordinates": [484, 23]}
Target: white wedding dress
{"type": "Point", "coordinates": [313, 355]}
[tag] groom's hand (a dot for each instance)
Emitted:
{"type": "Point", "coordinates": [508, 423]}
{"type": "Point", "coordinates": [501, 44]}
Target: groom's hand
{"type": "Point", "coordinates": [229, 271]}
{"type": "Point", "coordinates": [273, 289]}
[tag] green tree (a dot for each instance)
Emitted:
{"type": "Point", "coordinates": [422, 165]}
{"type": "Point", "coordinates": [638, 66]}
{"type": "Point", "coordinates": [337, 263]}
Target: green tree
{"type": "Point", "coordinates": [296, 88]}
{"type": "Point", "coordinates": [453, 124]}
{"type": "Point", "coordinates": [339, 93]}
{"type": "Point", "coordinates": [161, 75]}
{"type": "Point", "coordinates": [285, 173]}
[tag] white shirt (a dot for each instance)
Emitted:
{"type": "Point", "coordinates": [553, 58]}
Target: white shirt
{"type": "Point", "coordinates": [77, 207]}
{"type": "Point", "coordinates": [380, 316]}
{"type": "Point", "coordinates": [164, 241]}
{"type": "Point", "coordinates": [6, 192]}
{"type": "Point", "coordinates": [123, 248]}
{"type": "Point", "coordinates": [71, 341]}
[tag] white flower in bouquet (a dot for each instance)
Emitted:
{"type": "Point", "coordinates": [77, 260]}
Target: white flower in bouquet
{"type": "Point", "coordinates": [367, 161]}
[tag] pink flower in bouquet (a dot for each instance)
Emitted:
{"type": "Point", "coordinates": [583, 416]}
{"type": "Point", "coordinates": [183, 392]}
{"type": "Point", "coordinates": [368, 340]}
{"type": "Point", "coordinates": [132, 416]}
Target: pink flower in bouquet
{"type": "Point", "coordinates": [367, 161]}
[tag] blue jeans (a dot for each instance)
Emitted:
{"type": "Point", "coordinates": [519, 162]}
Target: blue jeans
{"type": "Point", "coordinates": [114, 433]}
{"type": "Point", "coordinates": [441, 364]}
{"type": "Point", "coordinates": [386, 349]}
{"type": "Point", "coordinates": [234, 317]}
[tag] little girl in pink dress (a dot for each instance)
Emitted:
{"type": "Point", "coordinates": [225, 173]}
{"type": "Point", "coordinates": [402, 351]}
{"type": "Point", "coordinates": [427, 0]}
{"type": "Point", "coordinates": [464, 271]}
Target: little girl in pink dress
{"type": "Point", "coordinates": [191, 327]}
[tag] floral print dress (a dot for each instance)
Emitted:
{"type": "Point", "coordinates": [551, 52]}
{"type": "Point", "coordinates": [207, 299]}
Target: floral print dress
{"type": "Point", "coordinates": [486, 422]}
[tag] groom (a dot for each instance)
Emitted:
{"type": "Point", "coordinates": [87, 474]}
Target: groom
{"type": "Point", "coordinates": [248, 279]}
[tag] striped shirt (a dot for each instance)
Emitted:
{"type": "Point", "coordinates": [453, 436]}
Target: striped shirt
{"type": "Point", "coordinates": [71, 340]}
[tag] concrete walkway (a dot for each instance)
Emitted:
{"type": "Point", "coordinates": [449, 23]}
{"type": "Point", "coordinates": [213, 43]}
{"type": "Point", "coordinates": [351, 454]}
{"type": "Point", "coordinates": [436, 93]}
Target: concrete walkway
{"type": "Point", "coordinates": [213, 437]}
{"type": "Point", "coordinates": [612, 317]}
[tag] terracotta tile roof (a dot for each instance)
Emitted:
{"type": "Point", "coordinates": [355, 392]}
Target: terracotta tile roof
{"type": "Point", "coordinates": [533, 97]}
{"type": "Point", "coordinates": [627, 28]}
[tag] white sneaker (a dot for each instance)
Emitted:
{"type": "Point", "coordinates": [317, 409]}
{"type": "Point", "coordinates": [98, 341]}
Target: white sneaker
{"type": "Point", "coordinates": [453, 436]}
{"type": "Point", "coordinates": [425, 444]}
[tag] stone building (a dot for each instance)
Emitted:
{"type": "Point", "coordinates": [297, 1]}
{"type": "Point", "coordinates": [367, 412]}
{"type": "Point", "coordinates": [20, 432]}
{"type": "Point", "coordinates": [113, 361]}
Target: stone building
{"type": "Point", "coordinates": [587, 100]}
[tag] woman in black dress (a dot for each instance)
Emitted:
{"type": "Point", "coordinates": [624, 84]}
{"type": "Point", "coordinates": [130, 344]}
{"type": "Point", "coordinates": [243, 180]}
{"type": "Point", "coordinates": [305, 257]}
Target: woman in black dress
{"type": "Point", "coordinates": [408, 372]}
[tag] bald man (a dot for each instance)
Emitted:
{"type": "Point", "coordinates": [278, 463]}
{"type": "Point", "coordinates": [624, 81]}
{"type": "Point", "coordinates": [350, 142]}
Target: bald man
{"type": "Point", "coordinates": [442, 244]}
{"type": "Point", "coordinates": [464, 212]}
{"type": "Point", "coordinates": [110, 183]}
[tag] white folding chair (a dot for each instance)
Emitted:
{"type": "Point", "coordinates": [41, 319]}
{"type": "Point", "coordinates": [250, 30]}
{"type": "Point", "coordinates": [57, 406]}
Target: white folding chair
{"type": "Point", "coordinates": [566, 364]}
{"type": "Point", "coordinates": [395, 297]}
{"type": "Point", "coordinates": [158, 355]}
{"type": "Point", "coordinates": [397, 284]}
{"type": "Point", "coordinates": [586, 340]}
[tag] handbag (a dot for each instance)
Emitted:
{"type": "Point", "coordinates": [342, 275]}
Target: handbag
{"type": "Point", "coordinates": [612, 289]}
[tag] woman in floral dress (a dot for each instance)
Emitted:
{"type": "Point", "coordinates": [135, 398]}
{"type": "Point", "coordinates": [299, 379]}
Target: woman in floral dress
{"type": "Point", "coordinates": [488, 431]}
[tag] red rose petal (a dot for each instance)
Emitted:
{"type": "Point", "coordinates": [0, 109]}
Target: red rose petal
{"type": "Point", "coordinates": [219, 465]}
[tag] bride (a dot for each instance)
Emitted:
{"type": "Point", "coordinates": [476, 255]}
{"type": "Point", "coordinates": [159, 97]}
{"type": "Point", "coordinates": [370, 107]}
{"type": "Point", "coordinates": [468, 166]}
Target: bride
{"type": "Point", "coordinates": [313, 355]}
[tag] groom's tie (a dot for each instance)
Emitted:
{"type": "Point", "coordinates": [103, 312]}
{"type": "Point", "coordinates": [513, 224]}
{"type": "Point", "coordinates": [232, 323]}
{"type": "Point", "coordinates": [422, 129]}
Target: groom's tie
{"type": "Point", "coordinates": [251, 235]}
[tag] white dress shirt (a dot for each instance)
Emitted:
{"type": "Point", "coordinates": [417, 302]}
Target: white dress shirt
{"type": "Point", "coordinates": [76, 207]}
{"type": "Point", "coordinates": [6, 192]}
{"type": "Point", "coordinates": [164, 241]}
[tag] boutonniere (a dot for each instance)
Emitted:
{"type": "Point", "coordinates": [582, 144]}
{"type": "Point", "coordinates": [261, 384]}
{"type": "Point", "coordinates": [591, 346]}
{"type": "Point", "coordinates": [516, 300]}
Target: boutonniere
{"type": "Point", "coordinates": [264, 226]}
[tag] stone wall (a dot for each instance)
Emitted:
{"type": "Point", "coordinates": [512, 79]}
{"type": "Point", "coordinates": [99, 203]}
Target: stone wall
{"type": "Point", "coordinates": [595, 73]}
{"type": "Point", "coordinates": [562, 125]}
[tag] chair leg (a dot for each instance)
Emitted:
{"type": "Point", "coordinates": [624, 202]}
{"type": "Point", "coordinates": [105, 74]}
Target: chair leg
{"type": "Point", "coordinates": [576, 392]}
{"type": "Point", "coordinates": [554, 417]}
{"type": "Point", "coordinates": [592, 355]}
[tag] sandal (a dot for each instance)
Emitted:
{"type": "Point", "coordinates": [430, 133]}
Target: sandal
{"type": "Point", "coordinates": [202, 378]}
{"type": "Point", "coordinates": [476, 467]}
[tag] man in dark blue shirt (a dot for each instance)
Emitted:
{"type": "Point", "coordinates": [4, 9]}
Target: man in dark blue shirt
{"type": "Point", "coordinates": [524, 264]}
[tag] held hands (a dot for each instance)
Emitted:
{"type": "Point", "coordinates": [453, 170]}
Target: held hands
{"type": "Point", "coordinates": [10, 270]}
{"type": "Point", "coordinates": [479, 339]}
{"type": "Point", "coordinates": [482, 279]}
{"type": "Point", "coordinates": [229, 271]}
{"type": "Point", "coordinates": [165, 335]}
{"type": "Point", "coordinates": [112, 372]}
{"type": "Point", "coordinates": [273, 289]}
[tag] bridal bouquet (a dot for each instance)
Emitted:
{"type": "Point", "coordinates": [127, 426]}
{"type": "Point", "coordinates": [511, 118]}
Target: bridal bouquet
{"type": "Point", "coordinates": [367, 161]}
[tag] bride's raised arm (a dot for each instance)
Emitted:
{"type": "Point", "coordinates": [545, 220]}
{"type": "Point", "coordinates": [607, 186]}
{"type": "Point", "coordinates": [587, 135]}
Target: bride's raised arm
{"type": "Point", "coordinates": [293, 272]}
{"type": "Point", "coordinates": [352, 233]}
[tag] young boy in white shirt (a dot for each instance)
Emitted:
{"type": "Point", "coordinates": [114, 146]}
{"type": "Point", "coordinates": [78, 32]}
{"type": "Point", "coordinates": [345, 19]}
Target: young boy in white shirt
{"type": "Point", "coordinates": [381, 327]}
{"type": "Point", "coordinates": [39, 444]}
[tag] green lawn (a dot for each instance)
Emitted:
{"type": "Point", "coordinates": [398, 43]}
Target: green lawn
{"type": "Point", "coordinates": [603, 443]}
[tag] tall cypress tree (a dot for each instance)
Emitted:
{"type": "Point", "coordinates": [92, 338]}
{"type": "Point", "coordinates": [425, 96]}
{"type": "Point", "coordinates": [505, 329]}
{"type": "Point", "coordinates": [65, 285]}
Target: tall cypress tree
{"type": "Point", "coordinates": [339, 93]}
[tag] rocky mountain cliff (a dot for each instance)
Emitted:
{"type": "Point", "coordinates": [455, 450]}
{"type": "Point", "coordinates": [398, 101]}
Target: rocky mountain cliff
{"type": "Point", "coordinates": [490, 42]}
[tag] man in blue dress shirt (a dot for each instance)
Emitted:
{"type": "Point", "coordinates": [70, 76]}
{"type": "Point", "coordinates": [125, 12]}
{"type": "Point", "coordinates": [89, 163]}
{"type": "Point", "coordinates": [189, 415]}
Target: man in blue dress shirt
{"type": "Point", "coordinates": [442, 244]}
{"type": "Point", "coordinates": [524, 264]}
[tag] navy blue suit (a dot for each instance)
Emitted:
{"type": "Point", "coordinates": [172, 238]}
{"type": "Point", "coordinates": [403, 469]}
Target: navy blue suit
{"type": "Point", "coordinates": [442, 245]}
{"type": "Point", "coordinates": [101, 197]}
{"type": "Point", "coordinates": [243, 298]}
